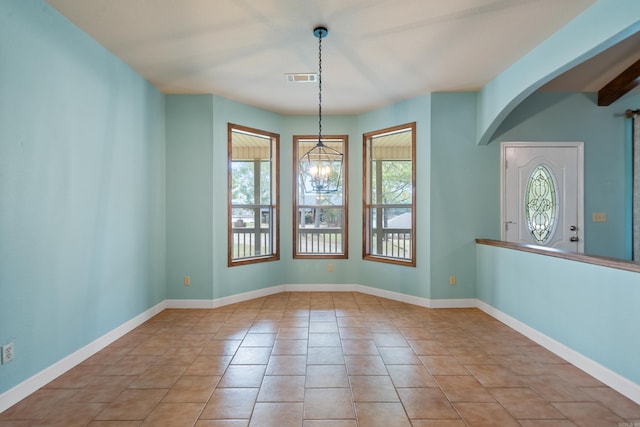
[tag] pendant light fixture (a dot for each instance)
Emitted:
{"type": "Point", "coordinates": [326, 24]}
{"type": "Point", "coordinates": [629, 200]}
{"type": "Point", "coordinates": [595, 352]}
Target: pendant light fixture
{"type": "Point", "coordinates": [321, 167]}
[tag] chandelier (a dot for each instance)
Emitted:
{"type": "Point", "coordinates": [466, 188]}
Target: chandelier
{"type": "Point", "coordinates": [321, 167]}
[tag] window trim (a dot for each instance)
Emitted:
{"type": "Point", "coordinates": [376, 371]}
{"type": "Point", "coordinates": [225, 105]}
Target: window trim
{"type": "Point", "coordinates": [275, 201]}
{"type": "Point", "coordinates": [345, 197]}
{"type": "Point", "coordinates": [366, 197]}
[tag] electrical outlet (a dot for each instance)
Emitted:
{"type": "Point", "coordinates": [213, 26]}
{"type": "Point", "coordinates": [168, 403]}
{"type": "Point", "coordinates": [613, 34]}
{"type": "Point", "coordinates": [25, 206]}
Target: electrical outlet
{"type": "Point", "coordinates": [330, 268]}
{"type": "Point", "coordinates": [7, 353]}
{"type": "Point", "coordinates": [187, 280]}
{"type": "Point", "coordinates": [452, 280]}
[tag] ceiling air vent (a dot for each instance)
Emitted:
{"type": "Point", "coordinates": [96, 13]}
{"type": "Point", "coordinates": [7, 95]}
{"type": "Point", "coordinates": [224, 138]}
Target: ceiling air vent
{"type": "Point", "coordinates": [302, 77]}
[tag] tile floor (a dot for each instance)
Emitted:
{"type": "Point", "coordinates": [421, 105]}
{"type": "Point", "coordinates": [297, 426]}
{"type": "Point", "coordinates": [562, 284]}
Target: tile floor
{"type": "Point", "coordinates": [324, 360]}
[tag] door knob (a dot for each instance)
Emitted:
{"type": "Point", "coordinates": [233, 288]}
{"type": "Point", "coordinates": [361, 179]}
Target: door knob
{"type": "Point", "coordinates": [574, 239]}
{"type": "Point", "coordinates": [573, 228]}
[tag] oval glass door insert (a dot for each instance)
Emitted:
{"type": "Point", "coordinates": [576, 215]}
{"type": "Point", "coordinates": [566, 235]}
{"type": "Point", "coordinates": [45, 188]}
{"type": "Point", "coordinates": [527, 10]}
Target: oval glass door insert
{"type": "Point", "coordinates": [541, 204]}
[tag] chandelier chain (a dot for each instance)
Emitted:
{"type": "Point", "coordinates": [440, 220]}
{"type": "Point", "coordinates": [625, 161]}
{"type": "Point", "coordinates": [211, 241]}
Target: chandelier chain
{"type": "Point", "coordinates": [320, 90]}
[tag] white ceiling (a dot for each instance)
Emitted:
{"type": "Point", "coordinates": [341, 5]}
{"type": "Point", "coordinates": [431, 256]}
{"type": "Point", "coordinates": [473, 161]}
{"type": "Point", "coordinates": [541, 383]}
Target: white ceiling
{"type": "Point", "coordinates": [377, 52]}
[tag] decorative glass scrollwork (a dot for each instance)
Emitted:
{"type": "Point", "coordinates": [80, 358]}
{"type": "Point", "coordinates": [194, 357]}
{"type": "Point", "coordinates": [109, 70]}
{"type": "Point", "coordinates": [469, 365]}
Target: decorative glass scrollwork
{"type": "Point", "coordinates": [541, 204]}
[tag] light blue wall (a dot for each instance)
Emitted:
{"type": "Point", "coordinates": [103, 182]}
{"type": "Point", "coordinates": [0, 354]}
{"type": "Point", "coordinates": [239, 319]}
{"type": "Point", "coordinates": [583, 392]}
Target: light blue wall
{"type": "Point", "coordinates": [591, 309]}
{"type": "Point", "coordinates": [190, 186]}
{"type": "Point", "coordinates": [82, 190]}
{"type": "Point", "coordinates": [465, 197]}
{"type": "Point", "coordinates": [552, 116]}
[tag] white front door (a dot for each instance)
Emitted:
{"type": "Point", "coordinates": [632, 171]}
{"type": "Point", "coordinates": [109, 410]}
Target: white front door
{"type": "Point", "coordinates": [542, 194]}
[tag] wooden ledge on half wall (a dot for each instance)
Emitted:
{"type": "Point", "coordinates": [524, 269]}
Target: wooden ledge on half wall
{"type": "Point", "coordinates": [589, 259]}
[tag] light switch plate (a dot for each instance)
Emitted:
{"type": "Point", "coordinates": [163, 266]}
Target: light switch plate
{"type": "Point", "coordinates": [599, 217]}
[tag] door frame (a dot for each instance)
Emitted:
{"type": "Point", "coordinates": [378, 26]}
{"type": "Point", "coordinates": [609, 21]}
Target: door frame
{"type": "Point", "coordinates": [544, 144]}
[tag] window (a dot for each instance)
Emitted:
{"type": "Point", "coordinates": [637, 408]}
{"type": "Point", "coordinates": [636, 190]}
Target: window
{"type": "Point", "coordinates": [252, 196]}
{"type": "Point", "coordinates": [320, 220]}
{"type": "Point", "coordinates": [389, 195]}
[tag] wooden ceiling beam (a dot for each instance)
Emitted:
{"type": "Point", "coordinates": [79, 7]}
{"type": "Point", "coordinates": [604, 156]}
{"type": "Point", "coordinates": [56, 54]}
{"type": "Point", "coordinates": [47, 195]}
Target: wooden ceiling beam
{"type": "Point", "coordinates": [623, 83]}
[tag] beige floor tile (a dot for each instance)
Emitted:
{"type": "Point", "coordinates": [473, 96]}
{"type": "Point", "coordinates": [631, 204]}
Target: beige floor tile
{"type": "Point", "coordinates": [192, 388]}
{"type": "Point", "coordinates": [230, 403]}
{"type": "Point", "coordinates": [589, 414]}
{"type": "Point", "coordinates": [572, 375]}
{"type": "Point", "coordinates": [525, 403]}
{"type": "Point", "coordinates": [521, 364]}
{"type": "Point", "coordinates": [103, 388]}
{"type": "Point", "coordinates": [231, 333]}
{"type": "Point", "coordinates": [130, 365]}
{"type": "Point", "coordinates": [158, 376]}
{"type": "Point", "coordinates": [485, 414]}
{"type": "Point", "coordinates": [556, 389]}
{"type": "Point", "coordinates": [496, 376]}
{"type": "Point", "coordinates": [179, 356]}
{"type": "Point", "coordinates": [222, 423]}
{"type": "Point", "coordinates": [375, 414]}
{"type": "Point", "coordinates": [424, 403]}
{"type": "Point", "coordinates": [547, 423]}
{"type": "Point", "coordinates": [327, 376]}
{"type": "Point", "coordinates": [384, 326]}
{"type": "Point", "coordinates": [411, 376]}
{"type": "Point", "coordinates": [438, 423]}
{"type": "Point", "coordinates": [290, 347]}
{"type": "Point", "coordinates": [329, 423]}
{"type": "Point", "coordinates": [221, 347]}
{"type": "Point", "coordinates": [413, 333]}
{"type": "Point", "coordinates": [352, 321]}
{"type": "Point", "coordinates": [78, 377]}
{"type": "Point", "coordinates": [365, 365]}
{"type": "Point", "coordinates": [289, 333]}
{"type": "Point", "coordinates": [277, 415]}
{"type": "Point", "coordinates": [243, 376]}
{"type": "Point", "coordinates": [208, 365]}
{"type": "Point", "coordinates": [324, 339]}
{"type": "Point", "coordinates": [132, 404]}
{"type": "Point", "coordinates": [108, 356]}
{"type": "Point", "coordinates": [174, 415]}
{"type": "Point", "coordinates": [617, 403]}
{"type": "Point", "coordinates": [323, 327]}
{"type": "Point", "coordinates": [323, 315]}
{"type": "Point", "coordinates": [97, 423]}
{"type": "Point", "coordinates": [359, 347]}
{"type": "Point", "coordinates": [282, 389]}
{"type": "Point", "coordinates": [443, 365]}
{"type": "Point", "coordinates": [251, 356]}
{"type": "Point", "coordinates": [463, 388]}
{"type": "Point", "coordinates": [258, 340]}
{"type": "Point", "coordinates": [266, 325]}
{"type": "Point", "coordinates": [287, 365]}
{"type": "Point", "coordinates": [372, 388]}
{"type": "Point", "coordinates": [390, 340]}
{"type": "Point", "coordinates": [353, 333]}
{"type": "Point", "coordinates": [428, 348]}
{"type": "Point", "coordinates": [72, 414]}
{"type": "Point", "coordinates": [328, 403]}
{"type": "Point", "coordinates": [399, 356]}
{"type": "Point", "coordinates": [325, 356]}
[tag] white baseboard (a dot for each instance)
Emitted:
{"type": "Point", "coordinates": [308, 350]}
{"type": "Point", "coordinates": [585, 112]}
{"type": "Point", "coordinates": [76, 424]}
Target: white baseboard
{"type": "Point", "coordinates": [591, 367]}
{"type": "Point", "coordinates": [44, 377]}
